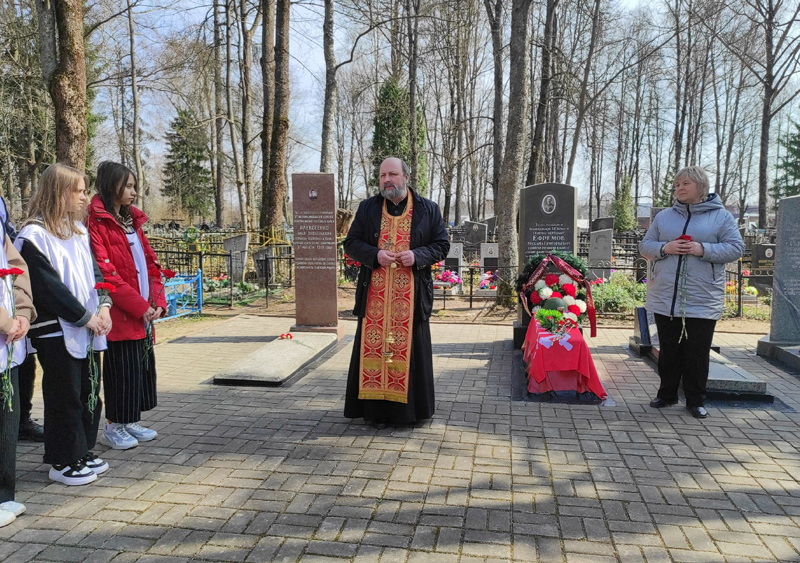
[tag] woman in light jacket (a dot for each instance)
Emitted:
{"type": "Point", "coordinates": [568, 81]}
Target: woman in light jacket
{"type": "Point", "coordinates": [689, 244]}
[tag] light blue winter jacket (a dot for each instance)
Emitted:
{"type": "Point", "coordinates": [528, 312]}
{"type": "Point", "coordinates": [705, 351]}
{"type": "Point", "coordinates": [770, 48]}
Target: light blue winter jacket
{"type": "Point", "coordinates": [708, 223]}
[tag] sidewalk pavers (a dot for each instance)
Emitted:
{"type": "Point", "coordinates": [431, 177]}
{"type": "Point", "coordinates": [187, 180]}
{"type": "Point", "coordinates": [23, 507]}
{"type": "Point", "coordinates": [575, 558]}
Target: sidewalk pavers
{"type": "Point", "coordinates": [278, 474]}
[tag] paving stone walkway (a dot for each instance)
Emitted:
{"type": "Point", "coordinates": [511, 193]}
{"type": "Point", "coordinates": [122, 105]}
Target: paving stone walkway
{"type": "Point", "coordinates": [253, 474]}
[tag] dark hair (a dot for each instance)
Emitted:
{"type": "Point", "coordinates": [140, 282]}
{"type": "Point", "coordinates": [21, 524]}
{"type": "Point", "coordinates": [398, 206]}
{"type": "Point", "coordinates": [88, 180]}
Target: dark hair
{"type": "Point", "coordinates": [111, 179]}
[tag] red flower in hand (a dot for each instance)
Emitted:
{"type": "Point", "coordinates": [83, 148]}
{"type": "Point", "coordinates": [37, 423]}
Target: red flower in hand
{"type": "Point", "coordinates": [169, 274]}
{"type": "Point", "coordinates": [111, 288]}
{"type": "Point", "coordinates": [557, 295]}
{"type": "Point", "coordinates": [551, 279]}
{"type": "Point", "coordinates": [5, 272]}
{"type": "Point", "coordinates": [535, 299]}
{"type": "Point", "coordinates": [569, 289]}
{"type": "Point", "coordinates": [15, 272]}
{"type": "Point", "coordinates": [685, 237]}
{"type": "Point", "coordinates": [574, 309]}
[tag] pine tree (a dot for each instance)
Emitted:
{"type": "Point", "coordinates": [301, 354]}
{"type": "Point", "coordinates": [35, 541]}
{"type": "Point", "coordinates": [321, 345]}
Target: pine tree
{"type": "Point", "coordinates": [187, 177]}
{"type": "Point", "coordinates": [622, 207]}
{"type": "Point", "coordinates": [788, 181]}
{"type": "Point", "coordinates": [391, 136]}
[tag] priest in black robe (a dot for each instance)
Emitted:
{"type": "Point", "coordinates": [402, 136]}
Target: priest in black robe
{"type": "Point", "coordinates": [397, 236]}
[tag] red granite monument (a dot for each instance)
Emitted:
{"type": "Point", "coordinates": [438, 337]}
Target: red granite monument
{"type": "Point", "coordinates": [314, 206]}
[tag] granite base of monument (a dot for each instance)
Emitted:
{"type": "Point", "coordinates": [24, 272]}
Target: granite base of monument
{"type": "Point", "coordinates": [277, 361]}
{"type": "Point", "coordinates": [781, 351]}
{"type": "Point", "coordinates": [337, 330]}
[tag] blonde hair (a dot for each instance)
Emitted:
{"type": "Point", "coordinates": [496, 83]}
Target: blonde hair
{"type": "Point", "coordinates": [48, 204]}
{"type": "Point", "coordinates": [696, 174]}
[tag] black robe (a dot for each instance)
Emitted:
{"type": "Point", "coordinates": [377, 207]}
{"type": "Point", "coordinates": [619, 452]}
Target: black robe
{"type": "Point", "coordinates": [430, 244]}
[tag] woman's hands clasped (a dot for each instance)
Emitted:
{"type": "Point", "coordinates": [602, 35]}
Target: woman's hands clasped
{"type": "Point", "coordinates": [679, 246]}
{"type": "Point", "coordinates": [100, 323]}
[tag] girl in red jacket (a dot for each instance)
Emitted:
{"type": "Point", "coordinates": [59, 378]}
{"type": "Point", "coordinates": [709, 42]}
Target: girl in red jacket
{"type": "Point", "coordinates": [127, 261]}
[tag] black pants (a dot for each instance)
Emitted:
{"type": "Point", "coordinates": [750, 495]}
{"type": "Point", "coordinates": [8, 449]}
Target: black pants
{"type": "Point", "coordinates": [687, 359]}
{"type": "Point", "coordinates": [27, 380]}
{"type": "Point", "coordinates": [9, 431]}
{"type": "Point", "coordinates": [70, 428]}
{"type": "Point", "coordinates": [129, 384]}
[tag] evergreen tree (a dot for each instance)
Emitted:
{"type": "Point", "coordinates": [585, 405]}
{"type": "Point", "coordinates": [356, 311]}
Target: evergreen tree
{"type": "Point", "coordinates": [622, 207]}
{"type": "Point", "coordinates": [788, 181]}
{"type": "Point", "coordinates": [187, 177]}
{"type": "Point", "coordinates": [391, 136]}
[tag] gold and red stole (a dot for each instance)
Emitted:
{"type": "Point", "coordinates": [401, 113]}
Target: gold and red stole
{"type": "Point", "coordinates": [390, 313]}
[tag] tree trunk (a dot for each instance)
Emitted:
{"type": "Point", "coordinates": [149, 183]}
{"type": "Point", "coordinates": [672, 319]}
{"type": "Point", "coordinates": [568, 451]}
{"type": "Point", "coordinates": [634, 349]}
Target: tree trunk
{"type": "Point", "coordinates": [330, 89]}
{"type": "Point", "coordinates": [231, 121]}
{"type": "Point", "coordinates": [63, 62]}
{"type": "Point", "coordinates": [137, 157]}
{"type": "Point", "coordinates": [495, 15]}
{"type": "Point", "coordinates": [245, 71]}
{"type": "Point", "coordinates": [219, 119]}
{"type": "Point", "coordinates": [268, 74]}
{"type": "Point", "coordinates": [581, 109]}
{"type": "Point", "coordinates": [412, 11]}
{"type": "Point", "coordinates": [280, 127]}
{"type": "Point", "coordinates": [544, 94]}
{"type": "Point", "coordinates": [515, 147]}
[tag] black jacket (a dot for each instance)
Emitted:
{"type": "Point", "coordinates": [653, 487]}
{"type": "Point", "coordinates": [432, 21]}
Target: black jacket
{"type": "Point", "coordinates": [429, 242]}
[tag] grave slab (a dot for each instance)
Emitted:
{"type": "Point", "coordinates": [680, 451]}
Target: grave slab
{"type": "Point", "coordinates": [277, 361]}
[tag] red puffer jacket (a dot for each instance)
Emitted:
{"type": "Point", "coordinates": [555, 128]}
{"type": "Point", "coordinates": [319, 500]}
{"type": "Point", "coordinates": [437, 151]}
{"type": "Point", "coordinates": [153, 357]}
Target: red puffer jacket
{"type": "Point", "coordinates": [113, 254]}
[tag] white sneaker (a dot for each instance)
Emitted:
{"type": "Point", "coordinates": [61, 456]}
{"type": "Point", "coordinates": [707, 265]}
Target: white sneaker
{"type": "Point", "coordinates": [116, 437]}
{"type": "Point", "coordinates": [16, 508]}
{"type": "Point", "coordinates": [95, 463]}
{"type": "Point", "coordinates": [140, 432]}
{"type": "Point", "coordinates": [6, 518]}
{"type": "Point", "coordinates": [69, 475]}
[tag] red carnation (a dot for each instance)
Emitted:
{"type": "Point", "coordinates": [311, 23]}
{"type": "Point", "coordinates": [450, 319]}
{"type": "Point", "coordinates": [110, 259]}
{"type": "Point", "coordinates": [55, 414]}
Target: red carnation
{"type": "Point", "coordinates": [557, 295]}
{"type": "Point", "coordinates": [111, 288]}
{"type": "Point", "coordinates": [535, 299]}
{"type": "Point", "coordinates": [551, 279]}
{"type": "Point", "coordinates": [15, 272]}
{"type": "Point", "coordinates": [169, 274]}
{"type": "Point", "coordinates": [685, 237]}
{"type": "Point", "coordinates": [568, 289]}
{"type": "Point", "coordinates": [575, 310]}
{"type": "Point", "coordinates": [4, 272]}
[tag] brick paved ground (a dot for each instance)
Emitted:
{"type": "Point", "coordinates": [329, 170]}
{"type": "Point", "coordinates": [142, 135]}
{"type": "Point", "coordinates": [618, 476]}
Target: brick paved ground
{"type": "Point", "coordinates": [244, 474]}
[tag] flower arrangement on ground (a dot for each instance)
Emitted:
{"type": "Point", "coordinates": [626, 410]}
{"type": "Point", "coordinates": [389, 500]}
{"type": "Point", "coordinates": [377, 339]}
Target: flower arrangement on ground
{"type": "Point", "coordinates": [488, 280]}
{"type": "Point", "coordinates": [448, 276]}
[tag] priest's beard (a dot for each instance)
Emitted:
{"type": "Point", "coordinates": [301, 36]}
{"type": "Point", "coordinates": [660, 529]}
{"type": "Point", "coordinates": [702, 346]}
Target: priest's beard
{"type": "Point", "coordinates": [392, 192]}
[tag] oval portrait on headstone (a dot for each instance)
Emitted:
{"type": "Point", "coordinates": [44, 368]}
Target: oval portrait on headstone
{"type": "Point", "coordinates": [312, 194]}
{"type": "Point", "coordinates": [769, 252]}
{"type": "Point", "coordinates": [548, 204]}
{"type": "Point", "coordinates": [474, 227]}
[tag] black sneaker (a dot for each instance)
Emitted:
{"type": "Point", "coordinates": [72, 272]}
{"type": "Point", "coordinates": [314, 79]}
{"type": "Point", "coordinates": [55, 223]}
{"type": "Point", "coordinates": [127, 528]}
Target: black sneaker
{"type": "Point", "coordinates": [95, 463]}
{"type": "Point", "coordinates": [31, 431]}
{"type": "Point", "coordinates": [74, 474]}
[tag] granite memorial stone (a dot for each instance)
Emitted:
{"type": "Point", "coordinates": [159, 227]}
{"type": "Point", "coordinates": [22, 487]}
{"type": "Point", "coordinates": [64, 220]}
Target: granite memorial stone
{"type": "Point", "coordinates": [784, 332]}
{"type": "Point", "coordinates": [490, 256]}
{"type": "Point", "coordinates": [600, 249]}
{"type": "Point", "coordinates": [548, 217]}
{"type": "Point", "coordinates": [762, 266]}
{"type": "Point", "coordinates": [603, 223]}
{"type": "Point", "coordinates": [237, 246]}
{"type": "Point", "coordinates": [314, 206]}
{"type": "Point", "coordinates": [475, 233]}
{"type": "Point", "coordinates": [491, 226]}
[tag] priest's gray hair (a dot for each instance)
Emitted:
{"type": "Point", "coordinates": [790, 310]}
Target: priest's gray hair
{"type": "Point", "coordinates": [696, 174]}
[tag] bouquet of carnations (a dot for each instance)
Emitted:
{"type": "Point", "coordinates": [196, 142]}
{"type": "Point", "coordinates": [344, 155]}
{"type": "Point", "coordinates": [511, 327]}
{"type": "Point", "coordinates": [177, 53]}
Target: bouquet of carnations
{"type": "Point", "coordinates": [563, 287]}
{"type": "Point", "coordinates": [556, 322]}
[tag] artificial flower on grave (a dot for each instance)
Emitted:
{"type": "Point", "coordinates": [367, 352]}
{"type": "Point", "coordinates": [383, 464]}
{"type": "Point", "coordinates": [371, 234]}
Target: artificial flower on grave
{"type": "Point", "coordinates": [556, 322]}
{"type": "Point", "coordinates": [448, 276]}
{"type": "Point", "coordinates": [536, 284]}
{"type": "Point", "coordinates": [488, 279]}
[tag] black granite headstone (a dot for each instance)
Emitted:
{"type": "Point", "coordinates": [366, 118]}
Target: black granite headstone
{"type": "Point", "coordinates": [491, 226]}
{"type": "Point", "coordinates": [475, 233]}
{"type": "Point", "coordinates": [762, 266]}
{"type": "Point", "coordinates": [548, 217]}
{"type": "Point", "coordinates": [602, 223]}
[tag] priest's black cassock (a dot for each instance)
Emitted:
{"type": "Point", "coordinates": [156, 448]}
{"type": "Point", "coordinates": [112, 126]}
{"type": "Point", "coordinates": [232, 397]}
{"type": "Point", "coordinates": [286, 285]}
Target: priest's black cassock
{"type": "Point", "coordinates": [430, 244]}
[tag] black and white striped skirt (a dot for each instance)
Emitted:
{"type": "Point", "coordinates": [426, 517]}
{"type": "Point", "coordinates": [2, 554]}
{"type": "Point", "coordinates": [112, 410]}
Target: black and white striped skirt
{"type": "Point", "coordinates": [129, 383]}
